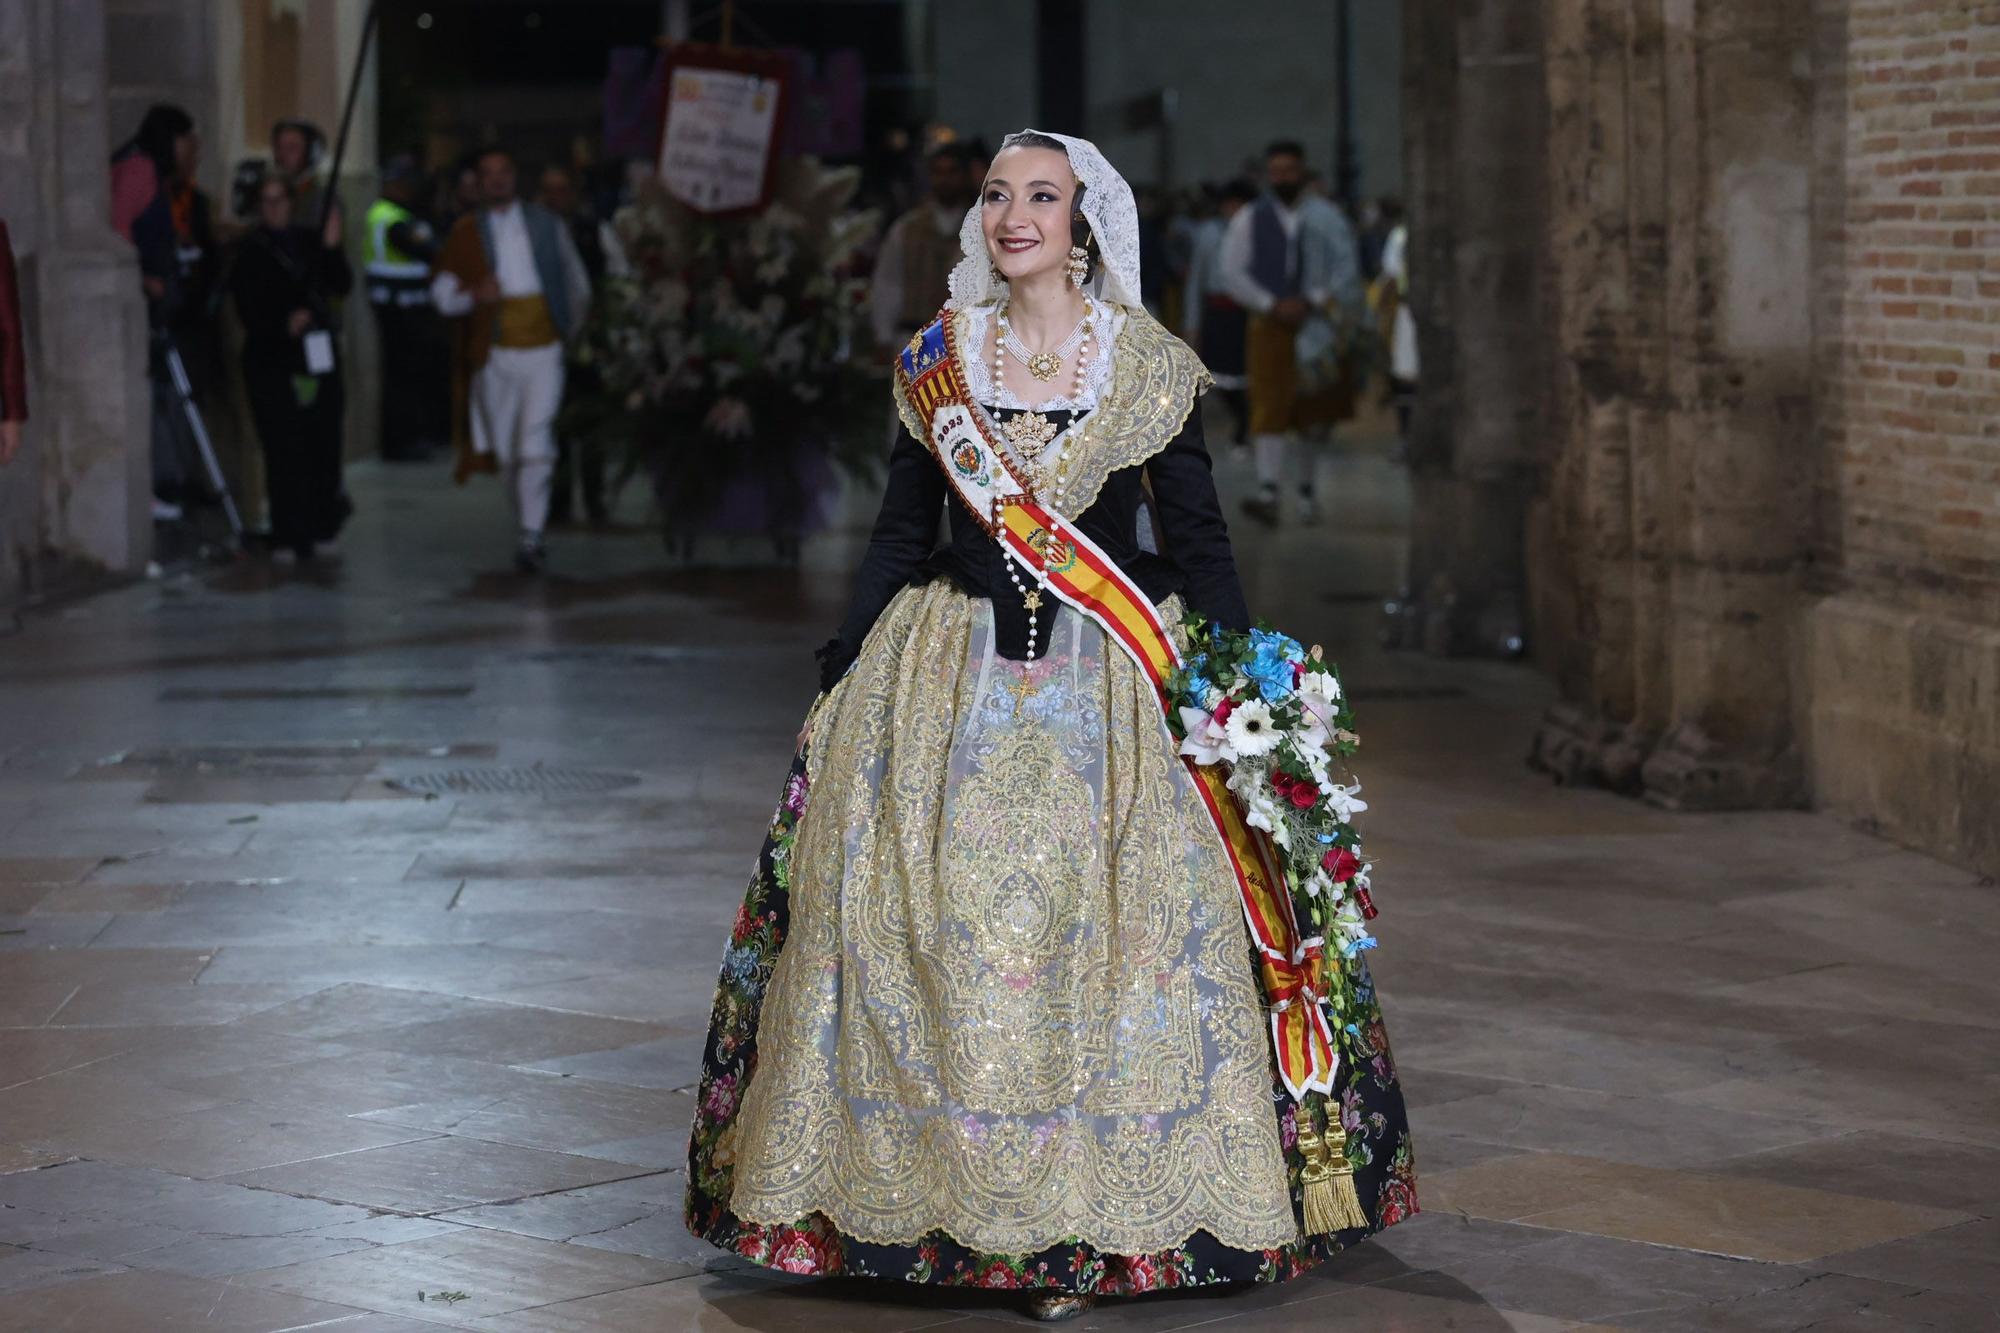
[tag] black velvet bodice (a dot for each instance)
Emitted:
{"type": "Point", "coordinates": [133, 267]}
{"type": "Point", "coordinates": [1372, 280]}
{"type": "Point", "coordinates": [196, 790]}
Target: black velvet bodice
{"type": "Point", "coordinates": [1195, 560]}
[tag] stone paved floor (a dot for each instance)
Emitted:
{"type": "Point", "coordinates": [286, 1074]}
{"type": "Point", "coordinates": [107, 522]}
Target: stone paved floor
{"type": "Point", "coordinates": [283, 1046]}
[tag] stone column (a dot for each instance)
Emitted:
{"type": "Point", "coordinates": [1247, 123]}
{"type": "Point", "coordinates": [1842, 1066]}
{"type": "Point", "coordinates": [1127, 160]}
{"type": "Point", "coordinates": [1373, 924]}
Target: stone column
{"type": "Point", "coordinates": [1677, 507]}
{"type": "Point", "coordinates": [1598, 528]}
{"type": "Point", "coordinates": [1476, 162]}
{"type": "Point", "coordinates": [82, 487]}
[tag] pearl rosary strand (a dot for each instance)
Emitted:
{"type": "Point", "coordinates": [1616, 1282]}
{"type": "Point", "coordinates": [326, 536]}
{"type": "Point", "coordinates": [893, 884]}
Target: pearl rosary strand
{"type": "Point", "coordinates": [1032, 599]}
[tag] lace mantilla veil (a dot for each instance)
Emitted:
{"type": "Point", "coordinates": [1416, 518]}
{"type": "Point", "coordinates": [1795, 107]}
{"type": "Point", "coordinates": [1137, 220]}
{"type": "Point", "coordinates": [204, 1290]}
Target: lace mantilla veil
{"type": "Point", "coordinates": [1107, 205]}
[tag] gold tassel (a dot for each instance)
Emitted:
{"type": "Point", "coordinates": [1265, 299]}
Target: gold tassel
{"type": "Point", "coordinates": [1330, 1203]}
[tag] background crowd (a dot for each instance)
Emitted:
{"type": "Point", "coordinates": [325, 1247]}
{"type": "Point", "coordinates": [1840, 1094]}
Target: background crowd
{"type": "Point", "coordinates": [1294, 298]}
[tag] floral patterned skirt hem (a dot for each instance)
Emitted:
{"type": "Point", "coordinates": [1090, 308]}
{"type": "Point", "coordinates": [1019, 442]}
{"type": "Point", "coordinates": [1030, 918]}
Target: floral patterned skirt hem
{"type": "Point", "coordinates": [1372, 1113]}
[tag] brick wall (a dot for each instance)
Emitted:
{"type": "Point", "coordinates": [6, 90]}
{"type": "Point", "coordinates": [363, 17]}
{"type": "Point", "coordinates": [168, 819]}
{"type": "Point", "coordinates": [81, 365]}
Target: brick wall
{"type": "Point", "coordinates": [1764, 544]}
{"type": "Point", "coordinates": [1902, 644]}
{"type": "Point", "coordinates": [1910, 357]}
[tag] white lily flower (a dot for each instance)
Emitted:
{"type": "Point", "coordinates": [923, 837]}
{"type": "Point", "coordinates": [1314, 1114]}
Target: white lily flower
{"type": "Point", "coordinates": [1319, 695]}
{"type": "Point", "coordinates": [1316, 761]}
{"type": "Point", "coordinates": [1343, 800]}
{"type": "Point", "coordinates": [1205, 743]}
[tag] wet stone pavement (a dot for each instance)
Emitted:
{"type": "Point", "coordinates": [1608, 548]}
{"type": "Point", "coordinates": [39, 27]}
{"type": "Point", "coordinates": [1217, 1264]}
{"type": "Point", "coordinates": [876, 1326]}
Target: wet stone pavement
{"type": "Point", "coordinates": [285, 1044]}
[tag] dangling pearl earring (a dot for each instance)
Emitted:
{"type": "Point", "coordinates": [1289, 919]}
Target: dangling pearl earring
{"type": "Point", "coordinates": [1078, 266]}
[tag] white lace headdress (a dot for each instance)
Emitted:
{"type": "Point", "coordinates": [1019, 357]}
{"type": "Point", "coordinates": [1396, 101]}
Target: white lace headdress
{"type": "Point", "coordinates": [1107, 205]}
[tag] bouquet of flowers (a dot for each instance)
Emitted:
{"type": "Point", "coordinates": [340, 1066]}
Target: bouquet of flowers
{"type": "Point", "coordinates": [725, 354]}
{"type": "Point", "coordinates": [1275, 713]}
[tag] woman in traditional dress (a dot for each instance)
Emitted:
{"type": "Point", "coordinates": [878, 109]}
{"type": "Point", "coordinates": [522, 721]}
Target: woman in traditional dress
{"type": "Point", "coordinates": [988, 1015]}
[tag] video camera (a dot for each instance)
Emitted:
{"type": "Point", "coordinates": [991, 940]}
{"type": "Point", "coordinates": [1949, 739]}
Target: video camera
{"type": "Point", "coordinates": [244, 186]}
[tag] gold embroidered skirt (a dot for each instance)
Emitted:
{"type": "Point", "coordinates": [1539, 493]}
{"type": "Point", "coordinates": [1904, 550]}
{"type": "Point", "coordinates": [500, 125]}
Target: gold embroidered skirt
{"type": "Point", "coordinates": [1016, 1002]}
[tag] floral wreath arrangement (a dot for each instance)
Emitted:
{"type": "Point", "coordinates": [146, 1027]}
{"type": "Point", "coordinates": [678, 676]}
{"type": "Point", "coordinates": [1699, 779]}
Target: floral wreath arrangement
{"type": "Point", "coordinates": [1276, 716]}
{"type": "Point", "coordinates": [727, 352]}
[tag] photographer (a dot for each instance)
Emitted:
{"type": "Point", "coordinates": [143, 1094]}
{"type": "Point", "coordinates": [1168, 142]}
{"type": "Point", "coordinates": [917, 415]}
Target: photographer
{"type": "Point", "coordinates": [284, 281]}
{"type": "Point", "coordinates": [156, 205]}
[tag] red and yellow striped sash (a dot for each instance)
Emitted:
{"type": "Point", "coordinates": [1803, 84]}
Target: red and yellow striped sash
{"type": "Point", "coordinates": [1291, 968]}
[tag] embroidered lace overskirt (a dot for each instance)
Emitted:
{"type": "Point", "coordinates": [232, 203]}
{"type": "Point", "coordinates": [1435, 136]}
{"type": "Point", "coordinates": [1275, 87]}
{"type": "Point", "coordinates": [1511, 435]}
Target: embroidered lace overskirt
{"type": "Point", "coordinates": [991, 999]}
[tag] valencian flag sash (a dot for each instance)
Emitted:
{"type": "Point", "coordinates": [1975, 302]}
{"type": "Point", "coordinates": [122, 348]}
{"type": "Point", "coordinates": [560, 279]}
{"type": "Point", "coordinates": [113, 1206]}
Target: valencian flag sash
{"type": "Point", "coordinates": [1083, 576]}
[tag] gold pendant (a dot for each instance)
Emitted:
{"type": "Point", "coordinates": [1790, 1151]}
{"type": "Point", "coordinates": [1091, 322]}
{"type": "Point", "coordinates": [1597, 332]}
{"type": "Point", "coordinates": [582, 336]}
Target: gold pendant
{"type": "Point", "coordinates": [1030, 432]}
{"type": "Point", "coordinates": [1045, 365]}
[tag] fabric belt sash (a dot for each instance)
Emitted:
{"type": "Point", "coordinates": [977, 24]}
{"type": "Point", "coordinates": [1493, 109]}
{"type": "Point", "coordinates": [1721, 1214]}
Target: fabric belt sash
{"type": "Point", "coordinates": [525, 321]}
{"type": "Point", "coordinates": [1076, 570]}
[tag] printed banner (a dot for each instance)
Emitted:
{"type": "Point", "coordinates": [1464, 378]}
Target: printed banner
{"type": "Point", "coordinates": [719, 136]}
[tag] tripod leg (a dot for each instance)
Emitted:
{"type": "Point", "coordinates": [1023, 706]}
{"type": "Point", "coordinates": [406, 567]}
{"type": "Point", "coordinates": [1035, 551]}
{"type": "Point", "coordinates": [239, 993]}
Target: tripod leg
{"type": "Point", "coordinates": [201, 440]}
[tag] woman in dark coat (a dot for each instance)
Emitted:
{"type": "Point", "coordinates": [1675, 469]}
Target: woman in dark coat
{"type": "Point", "coordinates": [284, 279]}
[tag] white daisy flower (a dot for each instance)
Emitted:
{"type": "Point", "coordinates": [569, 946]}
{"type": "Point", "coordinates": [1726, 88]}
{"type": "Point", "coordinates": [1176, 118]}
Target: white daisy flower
{"type": "Point", "coordinates": [1251, 729]}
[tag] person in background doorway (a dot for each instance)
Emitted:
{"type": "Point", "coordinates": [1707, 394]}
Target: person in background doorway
{"type": "Point", "coordinates": [1391, 299]}
{"type": "Point", "coordinates": [913, 267]}
{"type": "Point", "coordinates": [298, 148]}
{"type": "Point", "coordinates": [1188, 211]}
{"type": "Point", "coordinates": [510, 279]}
{"type": "Point", "coordinates": [284, 282]}
{"type": "Point", "coordinates": [13, 357]}
{"type": "Point", "coordinates": [398, 249]}
{"type": "Point", "coordinates": [188, 311]}
{"type": "Point", "coordinates": [1215, 322]}
{"type": "Point", "coordinates": [580, 459]}
{"type": "Point", "coordinates": [1371, 234]}
{"type": "Point", "coordinates": [1288, 258]}
{"type": "Point", "coordinates": [156, 205]}
{"type": "Point", "coordinates": [458, 192]}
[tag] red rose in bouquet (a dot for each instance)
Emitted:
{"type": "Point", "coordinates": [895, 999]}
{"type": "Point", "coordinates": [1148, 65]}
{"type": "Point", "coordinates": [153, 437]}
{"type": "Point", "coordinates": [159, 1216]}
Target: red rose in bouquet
{"type": "Point", "coordinates": [1340, 864]}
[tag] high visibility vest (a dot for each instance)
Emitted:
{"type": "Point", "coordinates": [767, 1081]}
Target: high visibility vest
{"type": "Point", "coordinates": [395, 277]}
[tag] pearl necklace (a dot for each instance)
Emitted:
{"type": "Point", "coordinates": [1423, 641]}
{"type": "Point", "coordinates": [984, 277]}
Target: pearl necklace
{"type": "Point", "coordinates": [1043, 365]}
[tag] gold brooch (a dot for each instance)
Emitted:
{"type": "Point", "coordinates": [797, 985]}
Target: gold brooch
{"type": "Point", "coordinates": [1030, 432]}
{"type": "Point", "coordinates": [1045, 365]}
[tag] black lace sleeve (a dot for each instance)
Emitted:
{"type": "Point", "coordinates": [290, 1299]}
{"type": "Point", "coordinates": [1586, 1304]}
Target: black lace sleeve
{"type": "Point", "coordinates": [905, 531]}
{"type": "Point", "coordinates": [1196, 535]}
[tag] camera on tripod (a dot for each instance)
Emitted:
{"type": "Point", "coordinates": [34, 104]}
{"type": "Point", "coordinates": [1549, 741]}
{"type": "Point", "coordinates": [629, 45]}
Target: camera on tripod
{"type": "Point", "coordinates": [244, 186]}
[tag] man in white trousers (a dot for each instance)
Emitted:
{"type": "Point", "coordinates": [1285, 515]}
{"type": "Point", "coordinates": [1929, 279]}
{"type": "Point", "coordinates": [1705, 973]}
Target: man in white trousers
{"type": "Point", "coordinates": [1288, 259]}
{"type": "Point", "coordinates": [510, 280]}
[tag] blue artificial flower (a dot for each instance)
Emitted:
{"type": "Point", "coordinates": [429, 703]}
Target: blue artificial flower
{"type": "Point", "coordinates": [1286, 646]}
{"type": "Point", "coordinates": [1270, 669]}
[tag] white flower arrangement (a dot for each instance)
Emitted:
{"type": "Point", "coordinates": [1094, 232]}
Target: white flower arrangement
{"type": "Point", "coordinates": [727, 347]}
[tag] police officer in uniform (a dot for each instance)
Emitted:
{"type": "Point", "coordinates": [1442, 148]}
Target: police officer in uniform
{"type": "Point", "coordinates": [398, 247]}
